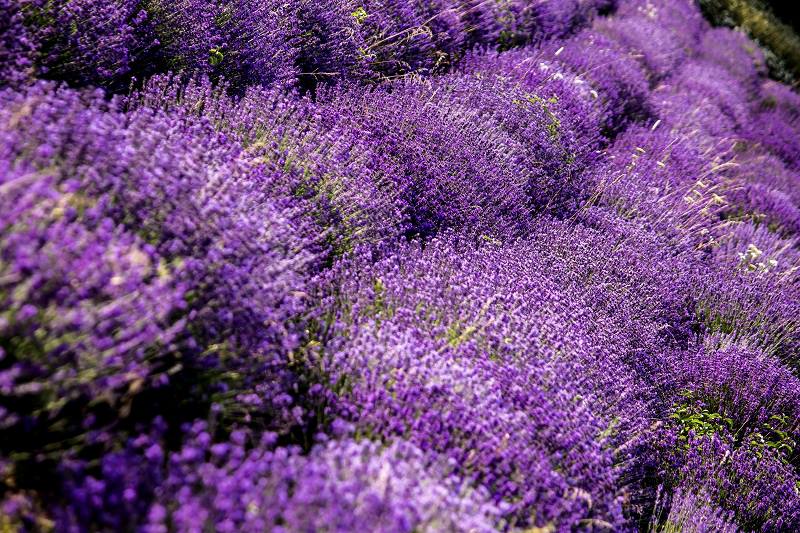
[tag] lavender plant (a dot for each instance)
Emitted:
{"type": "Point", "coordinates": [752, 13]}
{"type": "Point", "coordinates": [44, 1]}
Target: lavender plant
{"type": "Point", "coordinates": [454, 265]}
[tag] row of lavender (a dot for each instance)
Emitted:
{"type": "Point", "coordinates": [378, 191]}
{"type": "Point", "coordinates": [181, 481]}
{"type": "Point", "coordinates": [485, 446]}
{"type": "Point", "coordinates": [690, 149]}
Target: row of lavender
{"type": "Point", "coordinates": [266, 42]}
{"type": "Point", "coordinates": [548, 287]}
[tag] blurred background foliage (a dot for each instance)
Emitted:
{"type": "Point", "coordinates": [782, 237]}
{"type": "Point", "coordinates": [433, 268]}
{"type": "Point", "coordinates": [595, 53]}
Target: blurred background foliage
{"type": "Point", "coordinates": [773, 23]}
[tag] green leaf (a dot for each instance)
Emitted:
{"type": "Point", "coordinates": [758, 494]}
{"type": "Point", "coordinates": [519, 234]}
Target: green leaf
{"type": "Point", "coordinates": [360, 14]}
{"type": "Point", "coordinates": [215, 56]}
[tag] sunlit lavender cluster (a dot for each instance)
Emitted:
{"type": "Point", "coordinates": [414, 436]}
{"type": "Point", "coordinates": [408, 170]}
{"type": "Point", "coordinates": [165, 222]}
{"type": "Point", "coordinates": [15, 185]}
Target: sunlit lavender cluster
{"type": "Point", "coordinates": [373, 265]}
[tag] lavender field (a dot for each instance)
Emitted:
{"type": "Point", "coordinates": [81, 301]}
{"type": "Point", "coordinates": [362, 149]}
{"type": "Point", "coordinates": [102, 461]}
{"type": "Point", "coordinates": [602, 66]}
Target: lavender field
{"type": "Point", "coordinates": [395, 265]}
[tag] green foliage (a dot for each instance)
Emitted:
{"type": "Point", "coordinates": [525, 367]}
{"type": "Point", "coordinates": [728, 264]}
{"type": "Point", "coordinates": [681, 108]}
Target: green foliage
{"type": "Point", "coordinates": [507, 40]}
{"type": "Point", "coordinates": [380, 306]}
{"type": "Point", "coordinates": [774, 435]}
{"type": "Point", "coordinates": [456, 334]}
{"type": "Point", "coordinates": [360, 14]}
{"type": "Point", "coordinates": [720, 323]}
{"type": "Point", "coordinates": [215, 56]}
{"type": "Point", "coordinates": [702, 420]}
{"type": "Point", "coordinates": [693, 417]}
{"type": "Point", "coordinates": [224, 17]}
{"type": "Point", "coordinates": [554, 124]}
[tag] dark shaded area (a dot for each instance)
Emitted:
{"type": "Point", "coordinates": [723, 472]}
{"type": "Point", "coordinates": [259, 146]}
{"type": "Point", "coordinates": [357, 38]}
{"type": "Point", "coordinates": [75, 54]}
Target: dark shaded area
{"type": "Point", "coordinates": [787, 12]}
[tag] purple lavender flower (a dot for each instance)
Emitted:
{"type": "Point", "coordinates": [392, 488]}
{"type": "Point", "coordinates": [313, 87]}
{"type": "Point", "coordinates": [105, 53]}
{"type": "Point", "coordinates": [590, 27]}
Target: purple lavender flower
{"type": "Point", "coordinates": [16, 51]}
{"type": "Point", "coordinates": [342, 486]}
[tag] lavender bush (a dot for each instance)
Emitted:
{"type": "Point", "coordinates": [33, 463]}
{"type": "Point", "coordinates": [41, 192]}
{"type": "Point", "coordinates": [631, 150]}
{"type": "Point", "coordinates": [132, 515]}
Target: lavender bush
{"type": "Point", "coordinates": [455, 265]}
